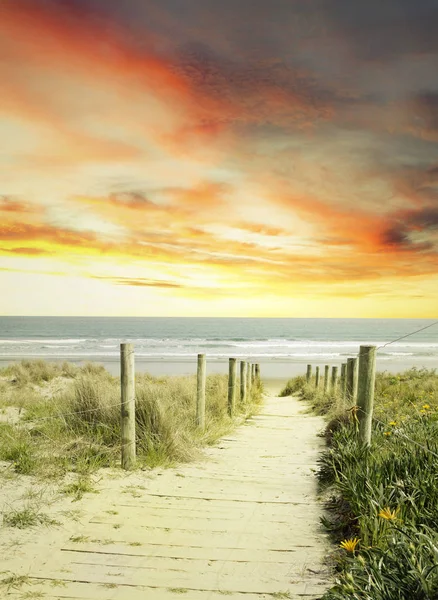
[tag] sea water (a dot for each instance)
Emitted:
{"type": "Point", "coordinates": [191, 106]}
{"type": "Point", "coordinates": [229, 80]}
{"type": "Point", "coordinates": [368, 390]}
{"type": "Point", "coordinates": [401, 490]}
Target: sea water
{"type": "Point", "coordinates": [179, 340]}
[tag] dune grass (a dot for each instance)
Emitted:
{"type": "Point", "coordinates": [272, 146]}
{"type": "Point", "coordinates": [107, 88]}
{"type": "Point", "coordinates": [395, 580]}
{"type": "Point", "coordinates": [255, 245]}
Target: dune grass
{"type": "Point", "coordinates": [383, 500]}
{"type": "Point", "coordinates": [76, 428]}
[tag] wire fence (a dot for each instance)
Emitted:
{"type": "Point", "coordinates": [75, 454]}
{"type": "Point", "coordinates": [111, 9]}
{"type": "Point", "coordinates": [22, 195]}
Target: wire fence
{"type": "Point", "coordinates": [397, 431]}
{"type": "Point", "coordinates": [407, 335]}
{"type": "Point", "coordinates": [64, 415]}
{"type": "Point", "coordinates": [402, 434]}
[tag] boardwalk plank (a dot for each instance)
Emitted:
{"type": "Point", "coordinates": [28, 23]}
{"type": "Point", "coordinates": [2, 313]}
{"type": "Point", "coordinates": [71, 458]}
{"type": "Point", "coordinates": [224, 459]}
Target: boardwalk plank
{"type": "Point", "coordinates": [242, 523]}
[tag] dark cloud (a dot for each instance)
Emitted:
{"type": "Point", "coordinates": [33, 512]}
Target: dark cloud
{"type": "Point", "coordinates": [426, 218]}
{"type": "Point", "coordinates": [418, 184]}
{"type": "Point", "coordinates": [257, 91]}
{"type": "Point", "coordinates": [399, 234]}
{"type": "Point", "coordinates": [371, 30]}
{"type": "Point", "coordinates": [382, 31]}
{"type": "Point", "coordinates": [398, 237]}
{"type": "Point", "coordinates": [424, 110]}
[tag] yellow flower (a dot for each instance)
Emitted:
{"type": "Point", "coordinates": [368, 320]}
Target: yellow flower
{"type": "Point", "coordinates": [422, 411]}
{"type": "Point", "coordinates": [388, 514]}
{"type": "Point", "coordinates": [387, 433]}
{"type": "Point", "coordinates": [426, 406]}
{"type": "Point", "coordinates": [350, 545]}
{"type": "Point", "coordinates": [393, 423]}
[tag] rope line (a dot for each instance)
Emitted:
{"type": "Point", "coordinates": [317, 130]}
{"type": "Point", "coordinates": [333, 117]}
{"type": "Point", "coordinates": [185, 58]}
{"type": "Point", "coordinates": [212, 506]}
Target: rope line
{"type": "Point", "coordinates": [407, 335]}
{"type": "Point", "coordinates": [398, 432]}
{"type": "Point", "coordinates": [381, 422]}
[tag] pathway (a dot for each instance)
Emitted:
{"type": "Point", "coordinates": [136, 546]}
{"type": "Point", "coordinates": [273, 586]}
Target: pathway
{"type": "Point", "coordinates": [242, 524]}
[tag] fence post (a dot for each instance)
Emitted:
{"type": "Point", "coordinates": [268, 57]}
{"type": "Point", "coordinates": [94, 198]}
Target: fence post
{"type": "Point", "coordinates": [200, 393]}
{"type": "Point", "coordinates": [243, 366]}
{"type": "Point", "coordinates": [326, 379]}
{"type": "Point", "coordinates": [309, 373]}
{"type": "Point", "coordinates": [334, 384]}
{"type": "Point", "coordinates": [127, 381]}
{"type": "Point", "coordinates": [343, 378]}
{"type": "Point", "coordinates": [365, 392]}
{"type": "Point", "coordinates": [232, 375]}
{"type": "Point", "coordinates": [257, 373]}
{"type": "Point", "coordinates": [352, 371]}
{"type": "Point", "coordinates": [248, 381]}
{"type": "Point", "coordinates": [253, 375]}
{"type": "Point", "coordinates": [317, 377]}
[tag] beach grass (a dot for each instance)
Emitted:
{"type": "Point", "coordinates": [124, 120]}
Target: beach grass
{"type": "Point", "coordinates": [382, 500]}
{"type": "Point", "coordinates": [66, 418]}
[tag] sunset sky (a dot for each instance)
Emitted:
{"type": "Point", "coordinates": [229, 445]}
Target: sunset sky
{"type": "Point", "coordinates": [219, 158]}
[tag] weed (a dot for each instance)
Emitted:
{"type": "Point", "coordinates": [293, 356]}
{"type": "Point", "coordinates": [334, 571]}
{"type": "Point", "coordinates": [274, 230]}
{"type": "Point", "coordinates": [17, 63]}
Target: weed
{"type": "Point", "coordinates": [58, 583]}
{"type": "Point", "coordinates": [79, 539]}
{"type": "Point", "coordinates": [27, 517]}
{"type": "Point", "coordinates": [15, 446]}
{"type": "Point", "coordinates": [74, 515]}
{"type": "Point", "coordinates": [14, 581]}
{"type": "Point", "coordinates": [78, 488]}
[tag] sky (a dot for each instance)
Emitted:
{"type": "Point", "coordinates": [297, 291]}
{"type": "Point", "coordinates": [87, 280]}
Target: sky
{"type": "Point", "coordinates": [272, 158]}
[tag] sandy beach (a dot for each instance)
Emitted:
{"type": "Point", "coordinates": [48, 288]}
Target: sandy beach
{"type": "Point", "coordinates": [272, 369]}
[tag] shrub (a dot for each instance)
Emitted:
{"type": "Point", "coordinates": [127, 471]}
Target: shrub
{"type": "Point", "coordinates": [386, 495]}
{"type": "Point", "coordinates": [405, 570]}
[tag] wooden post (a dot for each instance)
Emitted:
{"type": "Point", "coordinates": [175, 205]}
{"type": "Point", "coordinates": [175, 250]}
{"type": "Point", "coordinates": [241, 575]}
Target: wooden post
{"type": "Point", "coordinates": [127, 381]}
{"type": "Point", "coordinates": [243, 367]}
{"type": "Point", "coordinates": [309, 373]}
{"type": "Point", "coordinates": [200, 396]}
{"type": "Point", "coordinates": [352, 370]}
{"type": "Point", "coordinates": [257, 373]}
{"type": "Point", "coordinates": [253, 374]}
{"type": "Point", "coordinates": [334, 385]}
{"type": "Point", "coordinates": [232, 376]}
{"type": "Point", "coordinates": [326, 379]}
{"type": "Point", "coordinates": [365, 392]}
{"type": "Point", "coordinates": [343, 379]}
{"type": "Point", "coordinates": [317, 377]}
{"type": "Point", "coordinates": [248, 381]}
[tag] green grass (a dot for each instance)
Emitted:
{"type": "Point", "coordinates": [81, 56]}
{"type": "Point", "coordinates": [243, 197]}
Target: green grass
{"type": "Point", "coordinates": [79, 487]}
{"type": "Point", "coordinates": [13, 581]}
{"type": "Point", "coordinates": [385, 495]}
{"type": "Point", "coordinates": [78, 429]}
{"type": "Point", "coordinates": [79, 539]}
{"type": "Point", "coordinates": [26, 518]}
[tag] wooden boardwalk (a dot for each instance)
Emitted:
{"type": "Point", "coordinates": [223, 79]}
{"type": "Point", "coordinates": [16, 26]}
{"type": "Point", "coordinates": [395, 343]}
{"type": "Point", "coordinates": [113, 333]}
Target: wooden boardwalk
{"type": "Point", "coordinates": [242, 524]}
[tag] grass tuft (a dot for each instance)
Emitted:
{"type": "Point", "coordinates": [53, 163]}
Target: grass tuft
{"type": "Point", "coordinates": [78, 488]}
{"type": "Point", "coordinates": [14, 581]}
{"type": "Point", "coordinates": [27, 517]}
{"type": "Point", "coordinates": [70, 419]}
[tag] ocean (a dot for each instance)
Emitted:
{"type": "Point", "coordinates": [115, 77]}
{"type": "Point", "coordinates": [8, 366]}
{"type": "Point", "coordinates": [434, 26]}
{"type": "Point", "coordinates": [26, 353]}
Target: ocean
{"type": "Point", "coordinates": [170, 345]}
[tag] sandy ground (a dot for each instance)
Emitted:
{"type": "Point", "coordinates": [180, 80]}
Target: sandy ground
{"type": "Point", "coordinates": [243, 523]}
{"type": "Point", "coordinates": [271, 368]}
